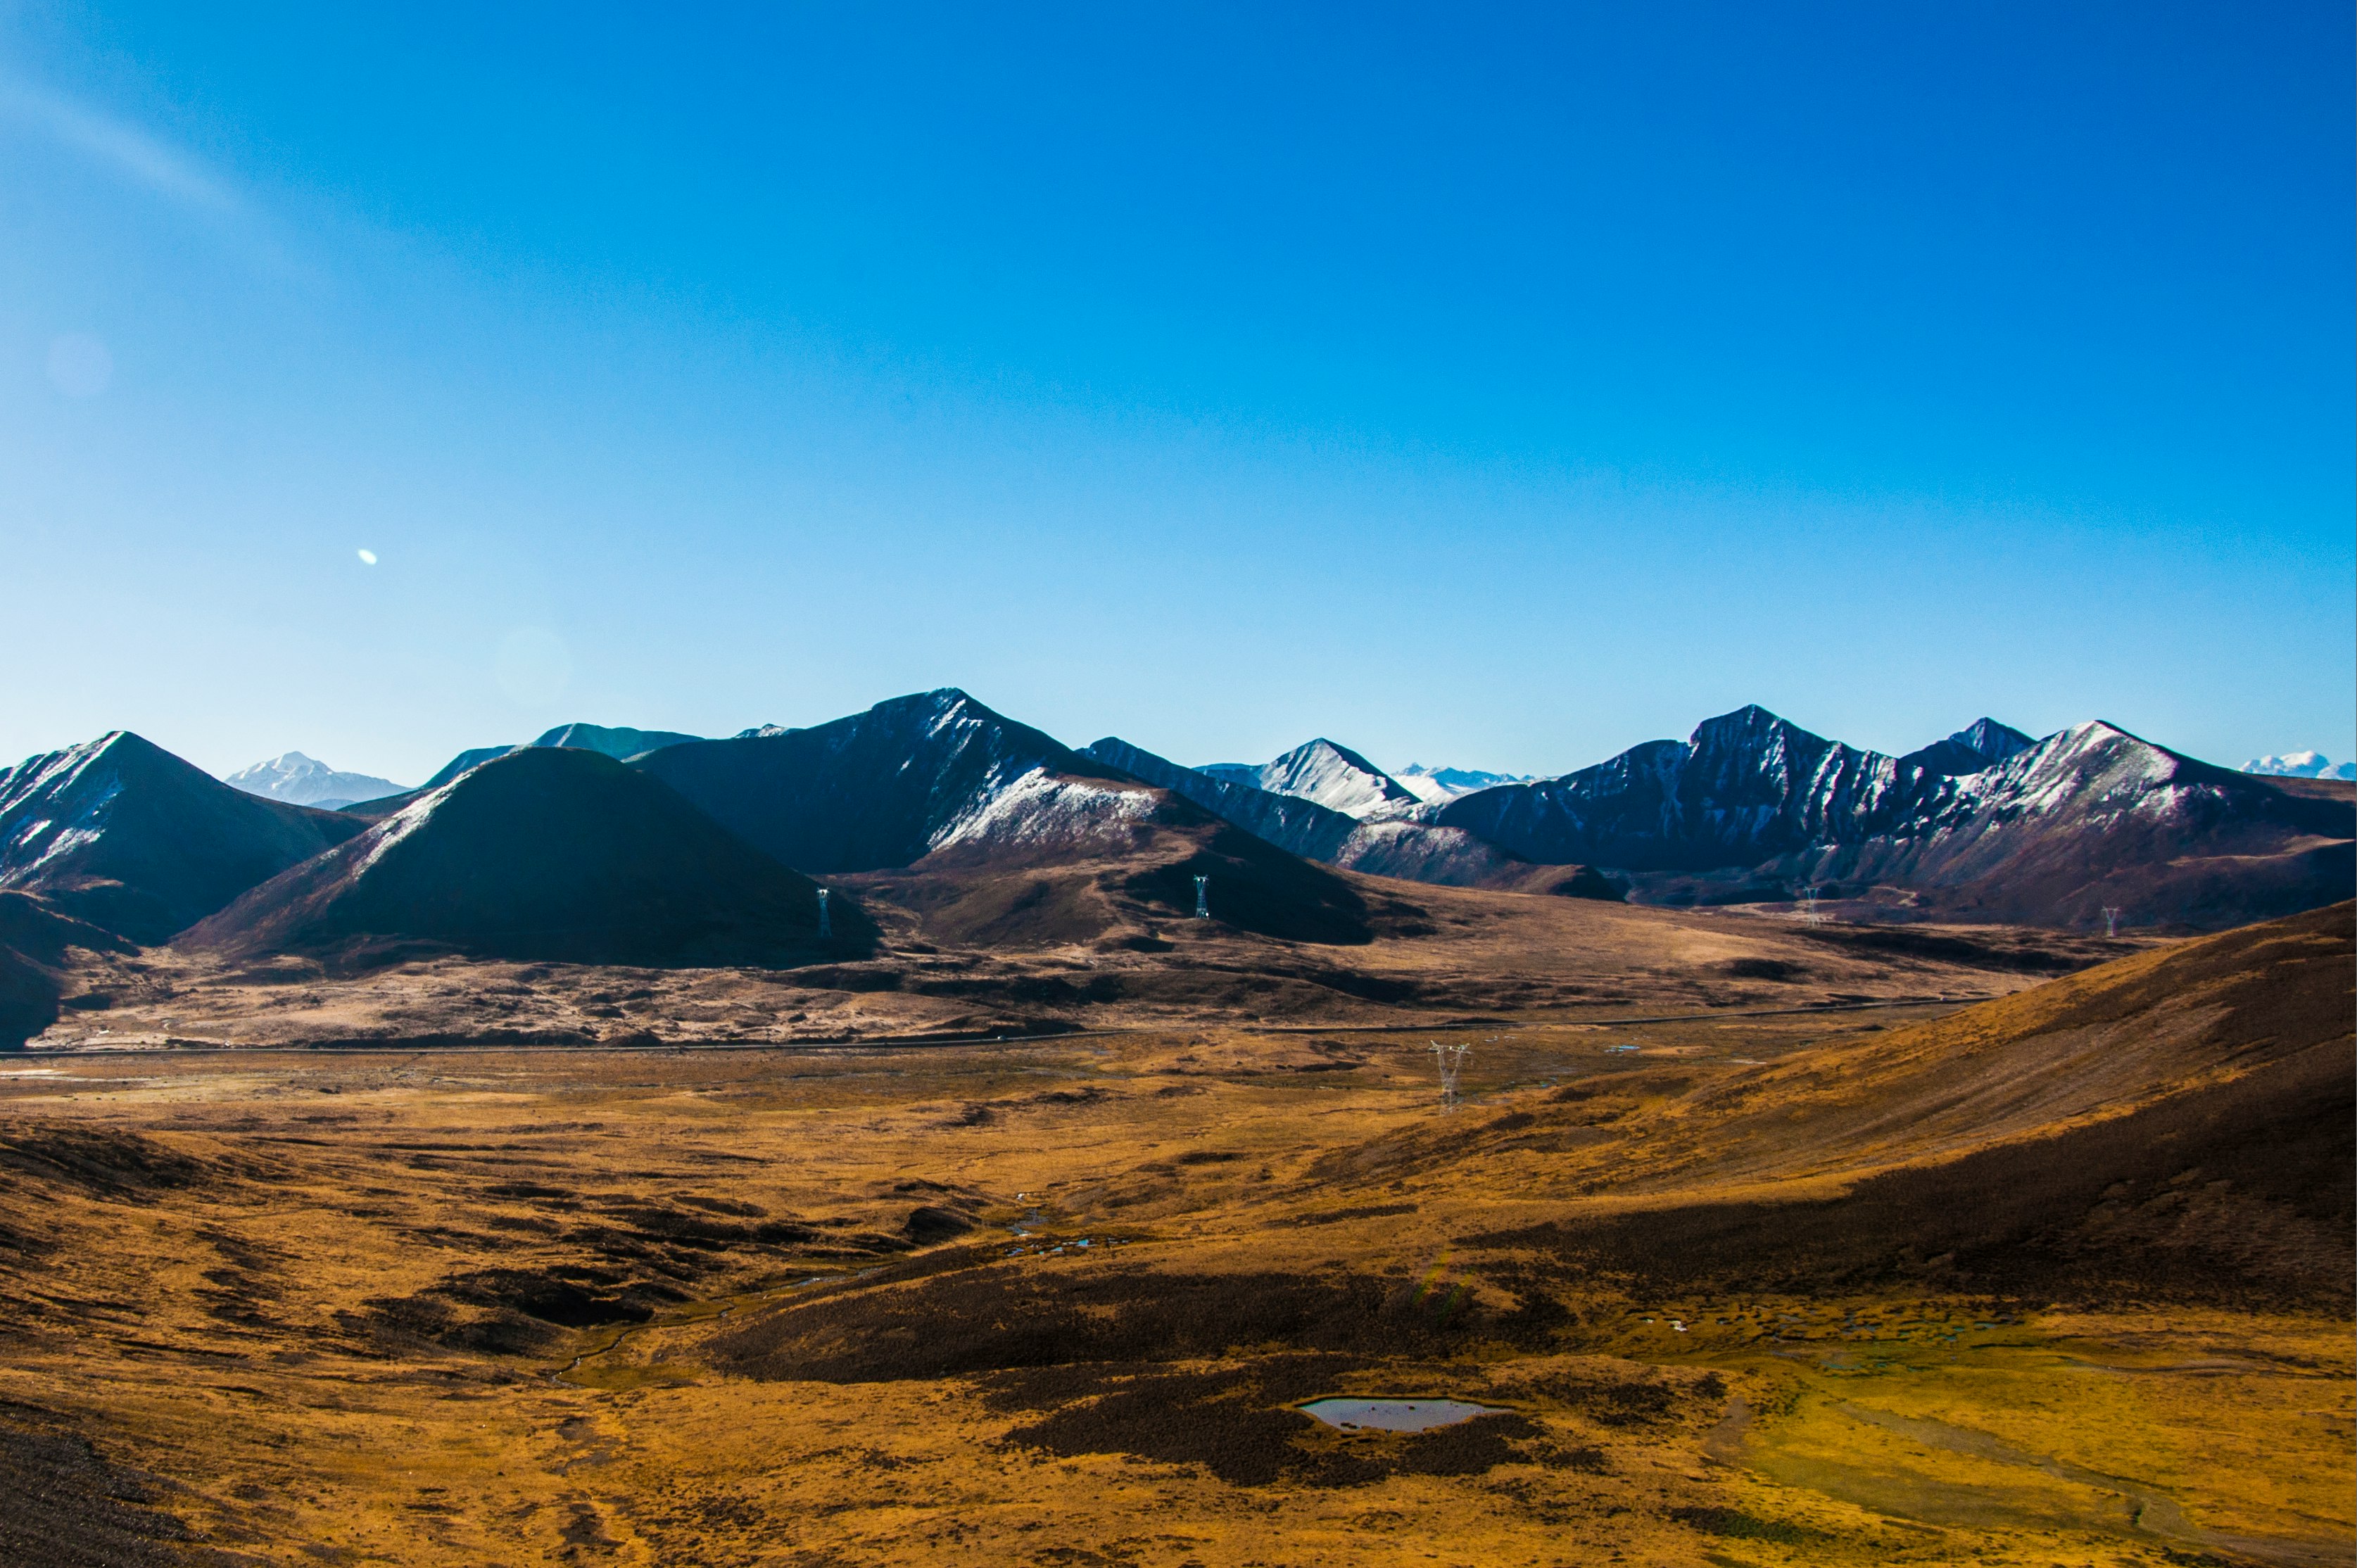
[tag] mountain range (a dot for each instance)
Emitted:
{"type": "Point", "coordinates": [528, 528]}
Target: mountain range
{"type": "Point", "coordinates": [935, 817]}
{"type": "Point", "coordinates": [1986, 824]}
{"type": "Point", "coordinates": [546, 853]}
{"type": "Point", "coordinates": [122, 833]}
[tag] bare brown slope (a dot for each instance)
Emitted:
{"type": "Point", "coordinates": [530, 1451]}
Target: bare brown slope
{"type": "Point", "coordinates": [1135, 888]}
{"type": "Point", "coordinates": [2174, 1124]}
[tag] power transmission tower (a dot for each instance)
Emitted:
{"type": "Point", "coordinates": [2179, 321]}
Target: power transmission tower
{"type": "Point", "coordinates": [2111, 920]}
{"type": "Point", "coordinates": [826, 926]}
{"type": "Point", "coordinates": [1451, 1059]}
{"type": "Point", "coordinates": [1202, 897]}
{"type": "Point", "coordinates": [1809, 911]}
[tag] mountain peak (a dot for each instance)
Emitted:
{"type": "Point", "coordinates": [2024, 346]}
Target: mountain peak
{"type": "Point", "coordinates": [301, 780]}
{"type": "Point", "coordinates": [1331, 775]}
{"type": "Point", "coordinates": [1987, 738]}
{"type": "Point", "coordinates": [1748, 723]}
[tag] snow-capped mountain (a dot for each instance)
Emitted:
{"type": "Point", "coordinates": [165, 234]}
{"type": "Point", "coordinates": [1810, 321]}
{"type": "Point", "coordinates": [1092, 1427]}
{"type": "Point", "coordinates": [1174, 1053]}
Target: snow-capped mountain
{"type": "Point", "coordinates": [890, 786]}
{"type": "Point", "coordinates": [549, 852]}
{"type": "Point", "coordinates": [1389, 844]}
{"type": "Point", "coordinates": [617, 741]}
{"type": "Point", "coordinates": [123, 834]}
{"type": "Point", "coordinates": [2301, 765]}
{"type": "Point", "coordinates": [2050, 831]}
{"type": "Point", "coordinates": [2093, 817]}
{"type": "Point", "coordinates": [1438, 785]}
{"type": "Point", "coordinates": [1304, 827]}
{"type": "Point", "coordinates": [1333, 776]}
{"type": "Point", "coordinates": [300, 781]}
{"type": "Point", "coordinates": [1746, 786]}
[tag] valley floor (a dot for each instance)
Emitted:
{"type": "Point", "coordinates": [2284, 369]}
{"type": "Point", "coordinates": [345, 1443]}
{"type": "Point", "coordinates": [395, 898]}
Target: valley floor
{"type": "Point", "coordinates": [1052, 1303]}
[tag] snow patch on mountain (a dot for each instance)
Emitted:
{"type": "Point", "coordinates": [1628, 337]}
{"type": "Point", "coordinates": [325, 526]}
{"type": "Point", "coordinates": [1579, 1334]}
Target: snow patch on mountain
{"type": "Point", "coordinates": [372, 845]}
{"type": "Point", "coordinates": [1040, 808]}
{"type": "Point", "coordinates": [2301, 765]}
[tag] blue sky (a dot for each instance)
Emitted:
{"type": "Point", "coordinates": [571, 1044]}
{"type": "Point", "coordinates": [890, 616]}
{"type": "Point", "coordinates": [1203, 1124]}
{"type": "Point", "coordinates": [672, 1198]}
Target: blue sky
{"type": "Point", "coordinates": [1498, 387]}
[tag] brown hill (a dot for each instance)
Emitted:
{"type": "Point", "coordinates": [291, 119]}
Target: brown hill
{"type": "Point", "coordinates": [545, 854]}
{"type": "Point", "coordinates": [2179, 1123]}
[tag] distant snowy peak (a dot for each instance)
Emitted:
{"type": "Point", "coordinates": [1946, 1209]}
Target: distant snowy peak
{"type": "Point", "coordinates": [301, 780]}
{"type": "Point", "coordinates": [1333, 776]}
{"type": "Point", "coordinates": [1437, 785]}
{"type": "Point", "coordinates": [2301, 765]}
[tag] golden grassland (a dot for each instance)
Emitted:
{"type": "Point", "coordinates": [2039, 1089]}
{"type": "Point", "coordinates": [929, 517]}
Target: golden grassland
{"type": "Point", "coordinates": [828, 1304]}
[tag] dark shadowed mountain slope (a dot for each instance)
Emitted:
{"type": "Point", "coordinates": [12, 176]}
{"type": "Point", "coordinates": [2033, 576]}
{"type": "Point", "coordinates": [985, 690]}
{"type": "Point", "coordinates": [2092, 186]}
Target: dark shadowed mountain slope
{"type": "Point", "coordinates": [36, 943]}
{"type": "Point", "coordinates": [896, 783]}
{"type": "Point", "coordinates": [617, 741]}
{"type": "Point", "coordinates": [1746, 787]}
{"type": "Point", "coordinates": [123, 834]}
{"type": "Point", "coordinates": [1333, 776]}
{"type": "Point", "coordinates": [1985, 744]}
{"type": "Point", "coordinates": [473, 757]}
{"type": "Point", "coordinates": [546, 853]}
{"type": "Point", "coordinates": [2052, 834]}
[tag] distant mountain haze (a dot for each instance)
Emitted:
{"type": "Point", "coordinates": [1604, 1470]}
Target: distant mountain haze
{"type": "Point", "coordinates": [614, 741]}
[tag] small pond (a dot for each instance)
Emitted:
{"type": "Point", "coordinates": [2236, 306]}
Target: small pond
{"type": "Point", "coordinates": [1394, 1416]}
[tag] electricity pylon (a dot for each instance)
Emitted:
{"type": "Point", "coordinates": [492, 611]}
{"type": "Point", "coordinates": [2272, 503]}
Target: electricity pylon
{"type": "Point", "coordinates": [1452, 1062]}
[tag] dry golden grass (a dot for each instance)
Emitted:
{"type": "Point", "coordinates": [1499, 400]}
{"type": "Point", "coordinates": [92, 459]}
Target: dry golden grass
{"type": "Point", "coordinates": [674, 1306]}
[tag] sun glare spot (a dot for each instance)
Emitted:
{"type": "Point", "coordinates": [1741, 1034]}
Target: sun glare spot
{"type": "Point", "coordinates": [368, 557]}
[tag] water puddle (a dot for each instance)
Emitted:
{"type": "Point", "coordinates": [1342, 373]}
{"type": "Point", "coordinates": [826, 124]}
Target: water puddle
{"type": "Point", "coordinates": [1394, 1416]}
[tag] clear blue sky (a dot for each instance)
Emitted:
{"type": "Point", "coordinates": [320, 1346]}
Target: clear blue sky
{"type": "Point", "coordinates": [1479, 385]}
